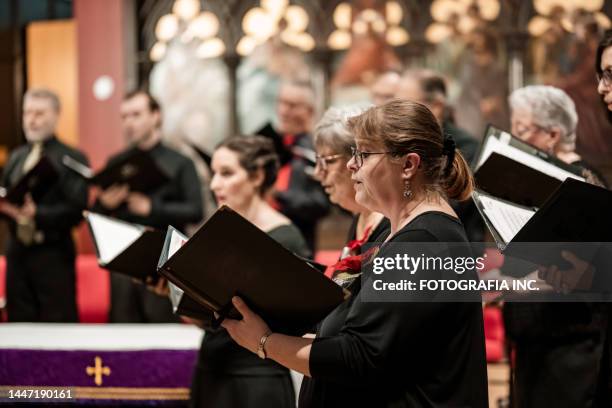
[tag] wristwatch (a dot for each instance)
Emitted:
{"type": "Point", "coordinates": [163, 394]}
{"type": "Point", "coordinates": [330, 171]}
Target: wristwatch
{"type": "Point", "coordinates": [261, 350]}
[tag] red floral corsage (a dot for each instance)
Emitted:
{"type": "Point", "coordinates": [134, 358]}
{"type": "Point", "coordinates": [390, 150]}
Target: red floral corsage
{"type": "Point", "coordinates": [346, 270]}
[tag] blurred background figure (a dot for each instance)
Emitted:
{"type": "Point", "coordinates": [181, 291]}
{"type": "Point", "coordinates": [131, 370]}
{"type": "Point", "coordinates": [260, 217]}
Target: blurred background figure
{"type": "Point", "coordinates": [296, 194]}
{"type": "Point", "coordinates": [384, 87]}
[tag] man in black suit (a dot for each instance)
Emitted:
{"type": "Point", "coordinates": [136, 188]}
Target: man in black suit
{"type": "Point", "coordinates": [296, 193]}
{"type": "Point", "coordinates": [178, 202]}
{"type": "Point", "coordinates": [40, 254]}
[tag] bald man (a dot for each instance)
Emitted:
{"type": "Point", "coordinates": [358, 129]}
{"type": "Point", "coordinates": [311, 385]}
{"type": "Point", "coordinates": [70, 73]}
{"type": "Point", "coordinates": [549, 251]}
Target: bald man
{"type": "Point", "coordinates": [384, 87]}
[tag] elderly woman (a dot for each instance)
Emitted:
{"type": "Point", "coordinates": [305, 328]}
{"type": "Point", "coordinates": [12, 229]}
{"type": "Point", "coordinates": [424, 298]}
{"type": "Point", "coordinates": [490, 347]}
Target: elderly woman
{"type": "Point", "coordinates": [333, 143]}
{"type": "Point", "coordinates": [389, 354]}
{"type": "Point", "coordinates": [546, 117]}
{"type": "Point", "coordinates": [558, 347]}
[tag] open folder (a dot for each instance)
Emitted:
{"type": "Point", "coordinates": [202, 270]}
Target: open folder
{"type": "Point", "coordinates": [509, 168]}
{"type": "Point", "coordinates": [36, 182]}
{"type": "Point", "coordinates": [230, 256]}
{"type": "Point", "coordinates": [130, 249]}
{"type": "Point", "coordinates": [138, 170]}
{"type": "Point", "coordinates": [574, 217]}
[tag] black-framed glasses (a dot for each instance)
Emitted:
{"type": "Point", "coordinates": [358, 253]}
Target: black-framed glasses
{"type": "Point", "coordinates": [605, 76]}
{"type": "Point", "coordinates": [323, 162]}
{"type": "Point", "coordinates": [360, 156]}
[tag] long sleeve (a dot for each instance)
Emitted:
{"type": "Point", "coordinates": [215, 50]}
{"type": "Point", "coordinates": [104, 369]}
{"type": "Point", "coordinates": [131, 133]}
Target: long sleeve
{"type": "Point", "coordinates": [66, 212]}
{"type": "Point", "coordinates": [187, 210]}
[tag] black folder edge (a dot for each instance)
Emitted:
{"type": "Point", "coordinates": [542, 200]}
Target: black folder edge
{"type": "Point", "coordinates": [534, 220]}
{"type": "Point", "coordinates": [109, 265]}
{"type": "Point", "coordinates": [203, 300]}
{"type": "Point", "coordinates": [222, 311]}
{"type": "Point", "coordinates": [93, 178]}
{"type": "Point", "coordinates": [492, 131]}
{"type": "Point", "coordinates": [7, 192]}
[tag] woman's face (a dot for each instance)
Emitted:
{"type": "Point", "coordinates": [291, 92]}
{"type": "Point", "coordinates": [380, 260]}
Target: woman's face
{"type": "Point", "coordinates": [525, 129]}
{"type": "Point", "coordinates": [231, 184]}
{"type": "Point", "coordinates": [605, 84]}
{"type": "Point", "coordinates": [335, 178]}
{"type": "Point", "coordinates": [378, 181]}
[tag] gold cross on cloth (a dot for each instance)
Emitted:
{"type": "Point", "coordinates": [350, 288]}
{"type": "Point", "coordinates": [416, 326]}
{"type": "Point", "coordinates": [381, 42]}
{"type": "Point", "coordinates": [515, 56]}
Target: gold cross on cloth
{"type": "Point", "coordinates": [98, 370]}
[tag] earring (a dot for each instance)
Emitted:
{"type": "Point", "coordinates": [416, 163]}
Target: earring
{"type": "Point", "coordinates": [407, 189]}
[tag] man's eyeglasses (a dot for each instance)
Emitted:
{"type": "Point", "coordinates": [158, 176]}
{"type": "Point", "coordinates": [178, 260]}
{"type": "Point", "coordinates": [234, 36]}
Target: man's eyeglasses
{"type": "Point", "coordinates": [360, 156]}
{"type": "Point", "coordinates": [323, 162]}
{"type": "Point", "coordinates": [521, 130]}
{"type": "Point", "coordinates": [605, 76]}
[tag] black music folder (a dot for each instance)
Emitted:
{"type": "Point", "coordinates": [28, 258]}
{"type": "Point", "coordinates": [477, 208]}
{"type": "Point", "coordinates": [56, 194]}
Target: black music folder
{"type": "Point", "coordinates": [36, 182]}
{"type": "Point", "coordinates": [138, 170]}
{"type": "Point", "coordinates": [183, 305]}
{"type": "Point", "coordinates": [230, 256]}
{"type": "Point", "coordinates": [575, 217]}
{"type": "Point", "coordinates": [509, 168]}
{"type": "Point", "coordinates": [129, 249]}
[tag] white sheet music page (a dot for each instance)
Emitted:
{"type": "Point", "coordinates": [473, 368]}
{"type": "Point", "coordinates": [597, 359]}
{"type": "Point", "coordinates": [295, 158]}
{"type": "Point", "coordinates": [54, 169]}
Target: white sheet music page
{"type": "Point", "coordinates": [507, 219]}
{"type": "Point", "coordinates": [112, 236]}
{"type": "Point", "coordinates": [495, 145]}
{"type": "Point", "coordinates": [177, 240]}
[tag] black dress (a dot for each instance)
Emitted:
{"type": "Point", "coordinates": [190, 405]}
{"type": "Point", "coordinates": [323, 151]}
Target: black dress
{"type": "Point", "coordinates": [229, 376]}
{"type": "Point", "coordinates": [400, 354]}
{"type": "Point", "coordinates": [560, 349]}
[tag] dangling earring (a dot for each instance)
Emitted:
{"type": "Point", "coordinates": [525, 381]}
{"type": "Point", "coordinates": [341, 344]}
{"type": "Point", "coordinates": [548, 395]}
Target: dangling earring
{"type": "Point", "coordinates": [407, 189]}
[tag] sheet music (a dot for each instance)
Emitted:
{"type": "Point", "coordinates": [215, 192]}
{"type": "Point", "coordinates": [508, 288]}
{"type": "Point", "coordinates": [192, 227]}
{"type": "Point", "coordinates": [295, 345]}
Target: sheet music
{"type": "Point", "coordinates": [493, 144]}
{"type": "Point", "coordinates": [176, 295]}
{"type": "Point", "coordinates": [507, 219]}
{"type": "Point", "coordinates": [112, 236]}
{"type": "Point", "coordinates": [177, 240]}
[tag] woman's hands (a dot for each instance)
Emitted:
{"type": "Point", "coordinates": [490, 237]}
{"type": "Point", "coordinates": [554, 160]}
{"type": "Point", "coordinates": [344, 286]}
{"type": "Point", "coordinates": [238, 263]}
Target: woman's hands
{"type": "Point", "coordinates": [248, 331]}
{"type": "Point", "coordinates": [578, 277]}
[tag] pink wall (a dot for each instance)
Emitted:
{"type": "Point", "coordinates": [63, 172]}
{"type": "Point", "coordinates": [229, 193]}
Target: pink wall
{"type": "Point", "coordinates": [100, 48]}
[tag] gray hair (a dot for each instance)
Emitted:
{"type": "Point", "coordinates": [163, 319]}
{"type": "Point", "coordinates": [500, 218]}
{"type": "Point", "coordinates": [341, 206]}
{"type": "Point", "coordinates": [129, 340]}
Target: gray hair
{"type": "Point", "coordinates": [44, 93]}
{"type": "Point", "coordinates": [550, 107]}
{"type": "Point", "coordinates": [332, 131]}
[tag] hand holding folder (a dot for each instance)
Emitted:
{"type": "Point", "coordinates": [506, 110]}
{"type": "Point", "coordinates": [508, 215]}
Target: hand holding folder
{"type": "Point", "coordinates": [137, 170]}
{"type": "Point", "coordinates": [229, 256]}
{"type": "Point", "coordinates": [130, 249]}
{"type": "Point", "coordinates": [36, 182]}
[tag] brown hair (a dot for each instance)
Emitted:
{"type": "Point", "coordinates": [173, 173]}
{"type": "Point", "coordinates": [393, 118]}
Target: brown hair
{"type": "Point", "coordinates": [409, 127]}
{"type": "Point", "coordinates": [254, 153]}
{"type": "Point", "coordinates": [153, 104]}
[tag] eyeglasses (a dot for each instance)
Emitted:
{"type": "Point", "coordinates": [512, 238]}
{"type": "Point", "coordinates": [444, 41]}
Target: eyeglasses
{"type": "Point", "coordinates": [323, 162]}
{"type": "Point", "coordinates": [605, 76]}
{"type": "Point", "coordinates": [360, 156]}
{"type": "Point", "coordinates": [521, 130]}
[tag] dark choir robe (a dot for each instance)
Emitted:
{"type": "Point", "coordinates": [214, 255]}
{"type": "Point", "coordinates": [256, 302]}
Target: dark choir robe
{"type": "Point", "coordinates": [561, 349]}
{"type": "Point", "coordinates": [40, 276]}
{"type": "Point", "coordinates": [178, 203]}
{"type": "Point", "coordinates": [229, 376]}
{"type": "Point", "coordinates": [297, 194]}
{"type": "Point", "coordinates": [400, 354]}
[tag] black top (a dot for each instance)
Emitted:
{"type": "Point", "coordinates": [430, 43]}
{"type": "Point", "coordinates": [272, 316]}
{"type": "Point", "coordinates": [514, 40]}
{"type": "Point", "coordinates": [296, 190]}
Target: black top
{"type": "Point", "coordinates": [392, 354]}
{"type": "Point", "coordinates": [61, 207]}
{"type": "Point", "coordinates": [304, 201]}
{"type": "Point", "coordinates": [379, 234]}
{"type": "Point", "coordinates": [220, 354]}
{"type": "Point", "coordinates": [178, 202]}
